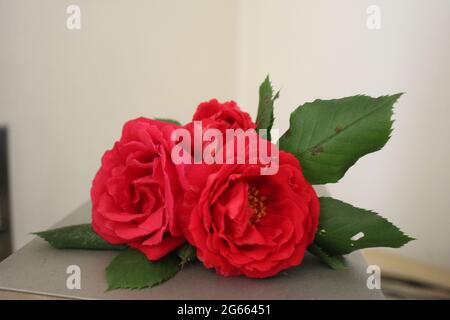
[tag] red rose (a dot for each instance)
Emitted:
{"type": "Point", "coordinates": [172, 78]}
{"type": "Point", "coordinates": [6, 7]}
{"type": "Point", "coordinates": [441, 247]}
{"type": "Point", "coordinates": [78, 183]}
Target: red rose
{"type": "Point", "coordinates": [223, 116]}
{"type": "Point", "coordinates": [135, 191]}
{"type": "Point", "coordinates": [242, 222]}
{"type": "Point", "coordinates": [215, 115]}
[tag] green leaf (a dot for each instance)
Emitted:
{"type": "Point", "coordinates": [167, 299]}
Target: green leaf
{"type": "Point", "coordinates": [186, 253]}
{"type": "Point", "coordinates": [77, 237]}
{"type": "Point", "coordinates": [265, 118]}
{"type": "Point", "coordinates": [329, 136]}
{"type": "Point", "coordinates": [334, 262]}
{"type": "Point", "coordinates": [169, 121]}
{"type": "Point", "coordinates": [344, 228]}
{"type": "Point", "coordinates": [132, 270]}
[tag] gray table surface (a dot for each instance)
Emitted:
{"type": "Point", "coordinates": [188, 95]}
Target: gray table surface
{"type": "Point", "coordinates": [40, 269]}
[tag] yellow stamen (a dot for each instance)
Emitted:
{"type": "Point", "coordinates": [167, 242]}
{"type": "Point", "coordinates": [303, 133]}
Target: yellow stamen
{"type": "Point", "coordinates": [256, 202]}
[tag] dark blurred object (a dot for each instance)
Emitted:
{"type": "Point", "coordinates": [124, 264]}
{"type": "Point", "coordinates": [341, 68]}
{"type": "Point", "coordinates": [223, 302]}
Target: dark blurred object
{"type": "Point", "coordinates": [398, 287]}
{"type": "Point", "coordinates": [5, 234]}
{"type": "Point", "coordinates": [407, 278]}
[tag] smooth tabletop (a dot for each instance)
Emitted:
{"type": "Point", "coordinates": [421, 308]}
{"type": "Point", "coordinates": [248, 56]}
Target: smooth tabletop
{"type": "Point", "coordinates": [39, 269]}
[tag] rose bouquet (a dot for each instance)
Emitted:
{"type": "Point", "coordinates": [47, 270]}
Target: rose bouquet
{"type": "Point", "coordinates": [219, 190]}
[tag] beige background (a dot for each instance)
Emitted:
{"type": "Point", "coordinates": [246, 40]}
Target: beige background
{"type": "Point", "coordinates": [65, 94]}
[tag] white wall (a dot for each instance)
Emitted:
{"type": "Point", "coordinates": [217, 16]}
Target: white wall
{"type": "Point", "coordinates": [323, 49]}
{"type": "Point", "coordinates": [65, 94]}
